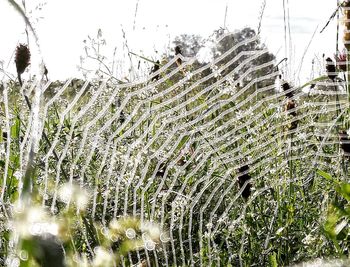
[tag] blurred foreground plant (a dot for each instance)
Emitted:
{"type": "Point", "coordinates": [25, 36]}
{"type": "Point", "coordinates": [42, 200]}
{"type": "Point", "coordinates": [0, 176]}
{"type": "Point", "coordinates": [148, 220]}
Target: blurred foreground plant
{"type": "Point", "coordinates": [41, 239]}
{"type": "Point", "coordinates": [336, 226]}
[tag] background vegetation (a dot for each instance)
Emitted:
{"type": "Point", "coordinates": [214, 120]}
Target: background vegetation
{"type": "Point", "coordinates": [214, 164]}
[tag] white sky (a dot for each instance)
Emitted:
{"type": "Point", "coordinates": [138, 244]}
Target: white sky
{"type": "Point", "coordinates": [66, 23]}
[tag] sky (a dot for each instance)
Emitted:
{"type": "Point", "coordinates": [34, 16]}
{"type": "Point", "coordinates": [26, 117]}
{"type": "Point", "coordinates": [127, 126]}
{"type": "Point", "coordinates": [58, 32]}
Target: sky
{"type": "Point", "coordinates": [149, 26]}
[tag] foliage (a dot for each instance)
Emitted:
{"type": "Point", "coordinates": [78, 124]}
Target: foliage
{"type": "Point", "coordinates": [172, 150]}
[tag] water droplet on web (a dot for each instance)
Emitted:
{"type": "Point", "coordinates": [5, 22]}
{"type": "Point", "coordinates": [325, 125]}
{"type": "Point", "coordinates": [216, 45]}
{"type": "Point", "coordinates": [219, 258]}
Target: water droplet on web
{"type": "Point", "coordinates": [23, 255]}
{"type": "Point", "coordinates": [164, 237]}
{"type": "Point", "coordinates": [145, 237]}
{"type": "Point", "coordinates": [105, 231]}
{"type": "Point", "coordinates": [18, 175]}
{"type": "Point", "coordinates": [130, 233]}
{"type": "Point", "coordinates": [150, 245]}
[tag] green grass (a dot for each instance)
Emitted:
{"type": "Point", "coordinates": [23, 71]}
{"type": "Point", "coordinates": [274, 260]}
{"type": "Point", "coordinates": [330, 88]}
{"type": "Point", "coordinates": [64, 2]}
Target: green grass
{"type": "Point", "coordinates": [286, 220]}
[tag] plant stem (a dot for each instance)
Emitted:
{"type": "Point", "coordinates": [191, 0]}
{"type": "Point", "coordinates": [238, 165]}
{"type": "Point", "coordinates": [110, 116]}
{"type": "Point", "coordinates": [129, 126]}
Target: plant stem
{"type": "Point", "coordinates": [44, 134]}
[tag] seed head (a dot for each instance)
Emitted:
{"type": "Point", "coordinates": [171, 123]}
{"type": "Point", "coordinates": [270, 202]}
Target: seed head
{"type": "Point", "coordinates": [289, 106]}
{"type": "Point", "coordinates": [286, 87]}
{"type": "Point", "coordinates": [22, 58]}
{"type": "Point", "coordinates": [177, 50]}
{"type": "Point", "coordinates": [154, 69]}
{"type": "Point", "coordinates": [344, 142]}
{"type": "Point", "coordinates": [160, 172]}
{"type": "Point", "coordinates": [330, 68]}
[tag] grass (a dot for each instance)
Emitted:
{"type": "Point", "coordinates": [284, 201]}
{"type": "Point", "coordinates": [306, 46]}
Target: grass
{"type": "Point", "coordinates": [197, 202]}
{"type": "Point", "coordinates": [151, 173]}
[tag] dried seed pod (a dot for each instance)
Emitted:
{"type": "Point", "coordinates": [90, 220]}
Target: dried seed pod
{"type": "Point", "coordinates": [331, 70]}
{"type": "Point", "coordinates": [154, 69]}
{"type": "Point", "coordinates": [346, 39]}
{"type": "Point", "coordinates": [289, 106]}
{"type": "Point", "coordinates": [286, 87]}
{"type": "Point", "coordinates": [122, 117]}
{"type": "Point", "coordinates": [22, 58]}
{"type": "Point", "coordinates": [344, 142]}
{"type": "Point", "coordinates": [242, 179]}
{"type": "Point", "coordinates": [178, 51]}
{"type": "Point", "coordinates": [346, 12]}
{"type": "Point", "coordinates": [160, 172]}
{"type": "Point", "coordinates": [293, 125]}
{"type": "Point", "coordinates": [46, 72]}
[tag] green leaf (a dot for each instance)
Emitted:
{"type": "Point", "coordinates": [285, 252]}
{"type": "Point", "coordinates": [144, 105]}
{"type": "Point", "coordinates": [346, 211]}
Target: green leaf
{"type": "Point", "coordinates": [183, 142]}
{"type": "Point", "coordinates": [273, 260]}
{"type": "Point", "coordinates": [345, 190]}
{"type": "Point", "coordinates": [325, 175]}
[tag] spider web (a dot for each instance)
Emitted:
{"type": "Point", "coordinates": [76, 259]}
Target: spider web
{"type": "Point", "coordinates": [173, 149]}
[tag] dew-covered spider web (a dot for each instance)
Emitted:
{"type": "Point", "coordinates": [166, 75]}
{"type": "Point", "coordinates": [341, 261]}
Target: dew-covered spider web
{"type": "Point", "coordinates": [218, 154]}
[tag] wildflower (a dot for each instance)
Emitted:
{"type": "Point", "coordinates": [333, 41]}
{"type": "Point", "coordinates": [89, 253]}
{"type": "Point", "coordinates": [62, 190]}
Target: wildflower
{"type": "Point", "coordinates": [22, 60]}
{"type": "Point", "coordinates": [103, 258]}
{"type": "Point", "coordinates": [340, 59]}
{"type": "Point", "coordinates": [185, 153]}
{"type": "Point", "coordinates": [189, 75]}
{"type": "Point", "coordinates": [152, 230]}
{"type": "Point", "coordinates": [73, 193]}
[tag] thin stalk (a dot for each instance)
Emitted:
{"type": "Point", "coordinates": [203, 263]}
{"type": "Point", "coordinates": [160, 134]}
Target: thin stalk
{"type": "Point", "coordinates": [44, 134]}
{"type": "Point", "coordinates": [217, 153]}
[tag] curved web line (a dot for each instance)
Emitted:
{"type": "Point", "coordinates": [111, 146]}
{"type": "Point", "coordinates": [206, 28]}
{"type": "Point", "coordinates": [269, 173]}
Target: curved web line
{"type": "Point", "coordinates": [171, 152]}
